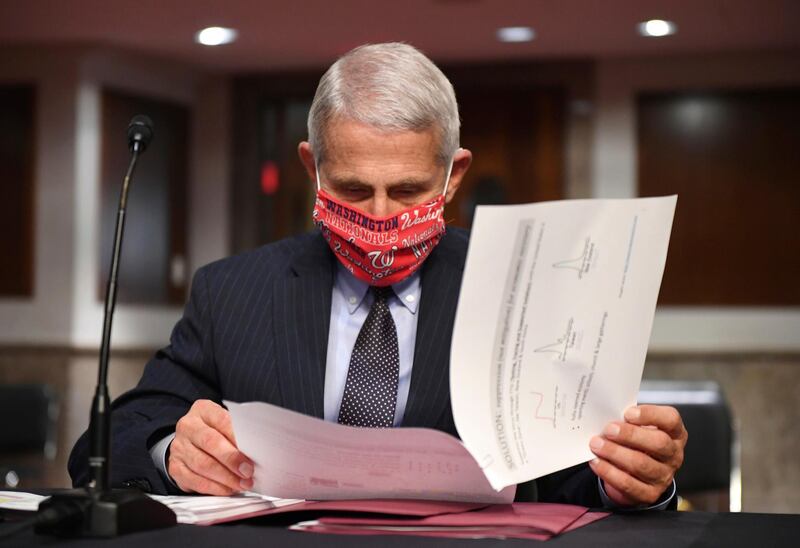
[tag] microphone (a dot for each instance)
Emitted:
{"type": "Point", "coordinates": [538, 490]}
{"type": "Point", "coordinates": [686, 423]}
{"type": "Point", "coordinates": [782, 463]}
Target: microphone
{"type": "Point", "coordinates": [98, 510]}
{"type": "Point", "coordinates": [140, 132]}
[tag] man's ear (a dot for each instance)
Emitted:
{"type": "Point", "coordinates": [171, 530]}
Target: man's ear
{"type": "Point", "coordinates": [461, 162]}
{"type": "Point", "coordinates": [307, 157]}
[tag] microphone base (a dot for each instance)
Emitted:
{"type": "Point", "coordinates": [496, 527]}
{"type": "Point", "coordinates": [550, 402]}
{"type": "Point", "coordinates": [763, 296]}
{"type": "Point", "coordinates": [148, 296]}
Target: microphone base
{"type": "Point", "coordinates": [84, 513]}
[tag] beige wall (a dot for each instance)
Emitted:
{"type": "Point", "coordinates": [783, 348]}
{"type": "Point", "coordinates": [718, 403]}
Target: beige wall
{"type": "Point", "coordinates": [64, 310]}
{"type": "Point", "coordinates": [48, 313]}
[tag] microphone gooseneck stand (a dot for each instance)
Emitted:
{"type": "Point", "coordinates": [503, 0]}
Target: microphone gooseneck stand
{"type": "Point", "coordinates": [97, 510]}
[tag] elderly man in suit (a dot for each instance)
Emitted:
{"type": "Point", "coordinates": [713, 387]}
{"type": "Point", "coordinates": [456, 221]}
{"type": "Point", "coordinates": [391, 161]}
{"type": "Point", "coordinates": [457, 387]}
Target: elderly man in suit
{"type": "Point", "coordinates": [353, 322]}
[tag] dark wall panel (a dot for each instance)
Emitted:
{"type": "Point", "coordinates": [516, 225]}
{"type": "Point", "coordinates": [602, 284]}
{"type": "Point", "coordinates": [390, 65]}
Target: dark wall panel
{"type": "Point", "coordinates": [733, 158]}
{"type": "Point", "coordinates": [518, 142]}
{"type": "Point", "coordinates": [17, 155]}
{"type": "Point", "coordinates": [153, 262]}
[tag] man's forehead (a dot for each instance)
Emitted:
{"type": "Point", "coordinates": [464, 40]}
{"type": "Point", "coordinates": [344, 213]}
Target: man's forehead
{"type": "Point", "coordinates": [350, 138]}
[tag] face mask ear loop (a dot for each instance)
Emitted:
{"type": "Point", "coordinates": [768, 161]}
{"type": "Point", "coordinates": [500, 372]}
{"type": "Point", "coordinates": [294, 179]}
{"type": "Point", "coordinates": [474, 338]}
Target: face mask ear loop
{"type": "Point", "coordinates": [447, 181]}
{"type": "Point", "coordinates": [316, 167]}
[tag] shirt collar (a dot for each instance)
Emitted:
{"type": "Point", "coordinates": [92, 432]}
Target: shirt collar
{"type": "Point", "coordinates": [408, 291]}
{"type": "Point", "coordinates": [354, 290]}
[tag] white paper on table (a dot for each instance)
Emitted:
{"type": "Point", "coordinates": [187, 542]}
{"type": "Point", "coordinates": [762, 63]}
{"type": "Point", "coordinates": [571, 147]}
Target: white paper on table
{"type": "Point", "coordinates": [19, 500]}
{"type": "Point", "coordinates": [209, 510]}
{"type": "Point", "coordinates": [302, 457]}
{"type": "Point", "coordinates": [552, 327]}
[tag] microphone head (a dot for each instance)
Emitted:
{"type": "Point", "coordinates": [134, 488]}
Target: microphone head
{"type": "Point", "coordinates": [140, 131]}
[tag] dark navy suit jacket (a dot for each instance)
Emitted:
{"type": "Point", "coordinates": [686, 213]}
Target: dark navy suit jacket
{"type": "Point", "coordinates": [256, 329]}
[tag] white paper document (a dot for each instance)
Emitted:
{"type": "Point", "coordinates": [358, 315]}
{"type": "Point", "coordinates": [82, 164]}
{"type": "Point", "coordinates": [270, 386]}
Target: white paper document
{"type": "Point", "coordinates": [208, 510]}
{"type": "Point", "coordinates": [552, 328]}
{"type": "Point", "coordinates": [302, 457]}
{"type": "Point", "coordinates": [19, 500]}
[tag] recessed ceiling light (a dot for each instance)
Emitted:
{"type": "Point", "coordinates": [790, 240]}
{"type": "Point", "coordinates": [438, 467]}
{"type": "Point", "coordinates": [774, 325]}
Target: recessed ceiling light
{"type": "Point", "coordinates": [215, 36]}
{"type": "Point", "coordinates": [515, 34]}
{"type": "Point", "coordinates": [656, 28]}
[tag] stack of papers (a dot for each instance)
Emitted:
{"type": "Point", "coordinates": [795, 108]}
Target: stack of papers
{"type": "Point", "coordinates": [298, 456]}
{"type": "Point", "coordinates": [17, 500]}
{"type": "Point", "coordinates": [207, 510]}
{"type": "Point", "coordinates": [538, 521]}
{"type": "Point", "coordinates": [519, 520]}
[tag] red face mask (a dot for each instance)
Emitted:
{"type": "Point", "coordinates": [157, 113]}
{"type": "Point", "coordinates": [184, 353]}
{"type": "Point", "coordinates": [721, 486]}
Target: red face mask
{"type": "Point", "coordinates": [380, 250]}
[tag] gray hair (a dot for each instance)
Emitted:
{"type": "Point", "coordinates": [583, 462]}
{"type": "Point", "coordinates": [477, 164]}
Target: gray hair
{"type": "Point", "coordinates": [392, 87]}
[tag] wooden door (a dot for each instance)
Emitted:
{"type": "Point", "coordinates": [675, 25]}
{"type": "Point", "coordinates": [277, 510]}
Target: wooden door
{"type": "Point", "coordinates": [732, 159]}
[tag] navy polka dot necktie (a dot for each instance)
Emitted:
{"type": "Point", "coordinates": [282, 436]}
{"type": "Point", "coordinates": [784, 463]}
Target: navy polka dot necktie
{"type": "Point", "coordinates": [370, 392]}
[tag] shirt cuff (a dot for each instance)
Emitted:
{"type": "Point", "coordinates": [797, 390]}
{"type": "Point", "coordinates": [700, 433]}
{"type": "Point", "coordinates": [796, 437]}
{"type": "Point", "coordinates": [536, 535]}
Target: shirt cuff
{"type": "Point", "coordinates": [611, 505]}
{"type": "Point", "coordinates": [159, 455]}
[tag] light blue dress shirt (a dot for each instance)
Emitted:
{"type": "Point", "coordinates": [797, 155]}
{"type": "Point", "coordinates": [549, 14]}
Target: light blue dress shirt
{"type": "Point", "coordinates": [350, 305]}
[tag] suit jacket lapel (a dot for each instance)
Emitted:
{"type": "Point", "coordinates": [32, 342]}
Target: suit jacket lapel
{"type": "Point", "coordinates": [429, 396]}
{"type": "Point", "coordinates": [301, 316]}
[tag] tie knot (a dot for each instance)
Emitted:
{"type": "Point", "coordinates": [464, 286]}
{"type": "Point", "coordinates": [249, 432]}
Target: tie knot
{"type": "Point", "coordinates": [381, 293]}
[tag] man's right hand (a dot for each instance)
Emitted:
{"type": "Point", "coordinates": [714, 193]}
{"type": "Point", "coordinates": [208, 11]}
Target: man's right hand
{"type": "Point", "coordinates": [203, 457]}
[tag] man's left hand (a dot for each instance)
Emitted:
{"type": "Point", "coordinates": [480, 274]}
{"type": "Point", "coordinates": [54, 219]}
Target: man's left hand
{"type": "Point", "coordinates": [638, 458]}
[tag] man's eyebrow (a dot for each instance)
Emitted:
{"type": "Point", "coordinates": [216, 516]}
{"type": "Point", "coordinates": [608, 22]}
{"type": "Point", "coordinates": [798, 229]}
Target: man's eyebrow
{"type": "Point", "coordinates": [346, 181]}
{"type": "Point", "coordinates": [411, 181]}
{"type": "Point", "coordinates": [352, 181]}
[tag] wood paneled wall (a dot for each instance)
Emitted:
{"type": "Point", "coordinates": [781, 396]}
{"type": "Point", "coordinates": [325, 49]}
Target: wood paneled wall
{"type": "Point", "coordinates": [17, 157]}
{"type": "Point", "coordinates": [732, 158]}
